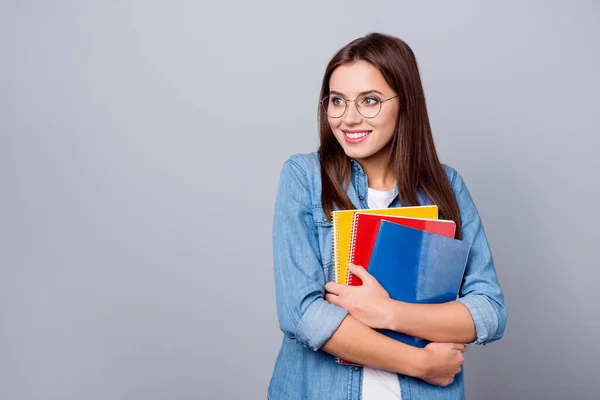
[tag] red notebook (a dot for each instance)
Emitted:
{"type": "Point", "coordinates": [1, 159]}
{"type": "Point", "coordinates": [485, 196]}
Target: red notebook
{"type": "Point", "coordinates": [365, 228]}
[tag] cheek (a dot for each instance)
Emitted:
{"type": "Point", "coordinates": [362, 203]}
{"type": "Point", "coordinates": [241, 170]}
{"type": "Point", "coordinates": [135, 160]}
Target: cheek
{"type": "Point", "coordinates": [387, 125]}
{"type": "Point", "coordinates": [334, 123]}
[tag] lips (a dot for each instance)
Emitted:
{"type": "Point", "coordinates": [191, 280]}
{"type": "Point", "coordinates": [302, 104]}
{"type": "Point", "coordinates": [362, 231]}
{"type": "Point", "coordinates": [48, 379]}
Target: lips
{"type": "Point", "coordinates": [355, 136]}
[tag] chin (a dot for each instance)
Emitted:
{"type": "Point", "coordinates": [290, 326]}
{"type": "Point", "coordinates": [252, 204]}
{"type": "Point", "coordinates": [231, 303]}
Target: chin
{"type": "Point", "coordinates": [358, 154]}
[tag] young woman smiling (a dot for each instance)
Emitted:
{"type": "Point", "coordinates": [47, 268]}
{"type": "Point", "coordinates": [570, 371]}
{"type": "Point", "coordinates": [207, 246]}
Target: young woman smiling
{"type": "Point", "coordinates": [376, 151]}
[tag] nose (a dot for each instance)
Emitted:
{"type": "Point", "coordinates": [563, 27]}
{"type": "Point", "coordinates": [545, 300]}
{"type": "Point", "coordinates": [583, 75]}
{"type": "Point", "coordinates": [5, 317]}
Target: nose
{"type": "Point", "coordinates": [352, 116]}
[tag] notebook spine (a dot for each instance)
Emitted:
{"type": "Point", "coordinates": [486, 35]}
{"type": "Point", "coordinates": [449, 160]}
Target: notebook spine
{"type": "Point", "coordinates": [352, 247]}
{"type": "Point", "coordinates": [336, 247]}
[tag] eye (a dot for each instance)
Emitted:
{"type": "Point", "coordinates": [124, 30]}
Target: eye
{"type": "Point", "coordinates": [337, 101]}
{"type": "Point", "coordinates": [370, 101]}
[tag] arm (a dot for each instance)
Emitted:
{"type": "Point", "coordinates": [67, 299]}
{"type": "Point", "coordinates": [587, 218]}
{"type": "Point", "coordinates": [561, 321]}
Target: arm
{"type": "Point", "coordinates": [373, 348]}
{"type": "Point", "coordinates": [306, 317]}
{"type": "Point", "coordinates": [371, 304]}
{"type": "Point", "coordinates": [448, 322]}
{"type": "Point", "coordinates": [437, 363]}
{"type": "Point", "coordinates": [303, 314]}
{"type": "Point", "coordinates": [480, 292]}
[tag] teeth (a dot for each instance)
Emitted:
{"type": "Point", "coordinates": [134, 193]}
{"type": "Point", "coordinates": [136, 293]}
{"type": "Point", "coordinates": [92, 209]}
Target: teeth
{"type": "Point", "coordinates": [357, 135]}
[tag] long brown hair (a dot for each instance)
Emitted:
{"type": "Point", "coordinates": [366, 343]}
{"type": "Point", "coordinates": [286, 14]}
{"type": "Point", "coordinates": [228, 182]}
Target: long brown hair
{"type": "Point", "coordinates": [412, 157]}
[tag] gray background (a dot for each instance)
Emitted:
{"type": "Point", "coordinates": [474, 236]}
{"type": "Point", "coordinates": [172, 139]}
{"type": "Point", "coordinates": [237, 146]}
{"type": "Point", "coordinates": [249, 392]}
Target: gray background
{"type": "Point", "coordinates": [140, 148]}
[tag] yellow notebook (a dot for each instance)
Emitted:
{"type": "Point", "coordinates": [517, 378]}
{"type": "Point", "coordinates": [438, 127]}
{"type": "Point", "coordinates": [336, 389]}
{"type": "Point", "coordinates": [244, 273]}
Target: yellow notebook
{"type": "Point", "coordinates": [342, 232]}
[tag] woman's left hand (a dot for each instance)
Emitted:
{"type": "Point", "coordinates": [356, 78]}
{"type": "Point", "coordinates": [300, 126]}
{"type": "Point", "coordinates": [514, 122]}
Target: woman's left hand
{"type": "Point", "coordinates": [370, 303]}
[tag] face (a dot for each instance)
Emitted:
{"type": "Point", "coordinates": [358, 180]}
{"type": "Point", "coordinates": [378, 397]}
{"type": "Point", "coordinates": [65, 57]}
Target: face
{"type": "Point", "coordinates": [362, 137]}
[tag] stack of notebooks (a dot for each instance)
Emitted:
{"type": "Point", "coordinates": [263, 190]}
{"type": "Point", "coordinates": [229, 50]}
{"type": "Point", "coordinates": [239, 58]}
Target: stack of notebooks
{"type": "Point", "coordinates": [410, 252]}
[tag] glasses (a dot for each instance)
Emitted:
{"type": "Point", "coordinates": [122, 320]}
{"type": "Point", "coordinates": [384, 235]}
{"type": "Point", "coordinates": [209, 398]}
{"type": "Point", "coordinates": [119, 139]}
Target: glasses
{"type": "Point", "coordinates": [367, 105]}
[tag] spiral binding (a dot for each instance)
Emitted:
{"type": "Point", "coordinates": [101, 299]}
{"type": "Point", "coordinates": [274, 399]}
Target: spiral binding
{"type": "Point", "coordinates": [336, 255]}
{"type": "Point", "coordinates": [336, 247]}
{"type": "Point", "coordinates": [352, 246]}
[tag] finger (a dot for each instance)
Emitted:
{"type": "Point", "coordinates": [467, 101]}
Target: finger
{"type": "Point", "coordinates": [460, 347]}
{"type": "Point", "coordinates": [333, 287]}
{"type": "Point", "coordinates": [361, 273]}
{"type": "Point", "coordinates": [332, 298]}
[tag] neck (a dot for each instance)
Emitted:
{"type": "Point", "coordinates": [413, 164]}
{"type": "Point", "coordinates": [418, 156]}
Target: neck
{"type": "Point", "coordinates": [379, 174]}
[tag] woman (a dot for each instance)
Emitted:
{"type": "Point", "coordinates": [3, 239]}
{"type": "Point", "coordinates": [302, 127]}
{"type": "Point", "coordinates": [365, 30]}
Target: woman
{"type": "Point", "coordinates": [376, 151]}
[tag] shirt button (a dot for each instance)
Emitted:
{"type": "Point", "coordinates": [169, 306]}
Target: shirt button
{"type": "Point", "coordinates": [361, 197]}
{"type": "Point", "coordinates": [356, 368]}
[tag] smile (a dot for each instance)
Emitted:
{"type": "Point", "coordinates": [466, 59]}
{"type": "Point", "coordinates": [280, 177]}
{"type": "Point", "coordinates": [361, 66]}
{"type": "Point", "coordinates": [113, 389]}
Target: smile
{"type": "Point", "coordinates": [355, 136]}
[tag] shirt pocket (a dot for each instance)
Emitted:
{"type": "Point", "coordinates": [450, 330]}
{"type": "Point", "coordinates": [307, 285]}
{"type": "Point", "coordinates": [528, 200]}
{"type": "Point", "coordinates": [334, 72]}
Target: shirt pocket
{"type": "Point", "coordinates": [324, 228]}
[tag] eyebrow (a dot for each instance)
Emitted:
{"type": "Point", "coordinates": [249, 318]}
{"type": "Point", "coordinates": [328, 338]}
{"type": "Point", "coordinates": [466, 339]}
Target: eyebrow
{"type": "Point", "coordinates": [361, 93]}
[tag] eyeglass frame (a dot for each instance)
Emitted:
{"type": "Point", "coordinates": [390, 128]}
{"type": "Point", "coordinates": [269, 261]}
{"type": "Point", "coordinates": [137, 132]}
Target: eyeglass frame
{"type": "Point", "coordinates": [357, 109]}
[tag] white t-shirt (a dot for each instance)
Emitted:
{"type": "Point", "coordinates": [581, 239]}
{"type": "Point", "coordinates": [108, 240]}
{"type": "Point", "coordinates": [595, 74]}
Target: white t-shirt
{"type": "Point", "coordinates": [378, 384]}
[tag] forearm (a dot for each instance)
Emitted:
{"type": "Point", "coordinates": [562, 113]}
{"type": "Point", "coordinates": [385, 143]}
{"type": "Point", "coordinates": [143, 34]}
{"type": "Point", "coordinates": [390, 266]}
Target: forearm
{"type": "Point", "coordinates": [353, 341]}
{"type": "Point", "coordinates": [448, 322]}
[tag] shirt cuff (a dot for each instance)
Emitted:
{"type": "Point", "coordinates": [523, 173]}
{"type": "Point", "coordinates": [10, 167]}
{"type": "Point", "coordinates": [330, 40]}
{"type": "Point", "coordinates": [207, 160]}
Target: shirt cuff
{"type": "Point", "coordinates": [484, 317]}
{"type": "Point", "coordinates": [318, 323]}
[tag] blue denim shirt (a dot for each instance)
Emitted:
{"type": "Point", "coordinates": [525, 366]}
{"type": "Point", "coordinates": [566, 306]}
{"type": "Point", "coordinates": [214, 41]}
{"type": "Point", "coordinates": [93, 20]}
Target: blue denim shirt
{"type": "Point", "coordinates": [303, 263]}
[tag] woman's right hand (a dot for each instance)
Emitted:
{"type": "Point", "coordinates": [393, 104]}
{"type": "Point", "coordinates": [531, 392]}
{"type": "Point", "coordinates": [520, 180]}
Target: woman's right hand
{"type": "Point", "coordinates": [441, 362]}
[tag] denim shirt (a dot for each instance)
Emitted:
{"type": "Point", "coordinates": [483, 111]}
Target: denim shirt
{"type": "Point", "coordinates": [303, 263]}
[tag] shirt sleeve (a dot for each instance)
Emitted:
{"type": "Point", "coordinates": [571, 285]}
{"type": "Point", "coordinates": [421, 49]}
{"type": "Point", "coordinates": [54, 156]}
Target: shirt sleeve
{"type": "Point", "coordinates": [480, 291]}
{"type": "Point", "coordinates": [303, 313]}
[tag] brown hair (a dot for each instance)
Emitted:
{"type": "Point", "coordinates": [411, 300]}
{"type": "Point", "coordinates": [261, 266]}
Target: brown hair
{"type": "Point", "coordinates": [413, 157]}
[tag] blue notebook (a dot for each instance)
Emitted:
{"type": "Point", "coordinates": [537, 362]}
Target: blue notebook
{"type": "Point", "coordinates": [415, 266]}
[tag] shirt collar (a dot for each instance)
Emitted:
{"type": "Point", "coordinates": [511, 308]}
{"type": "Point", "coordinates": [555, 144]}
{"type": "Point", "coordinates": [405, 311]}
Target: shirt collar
{"type": "Point", "coordinates": [357, 169]}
